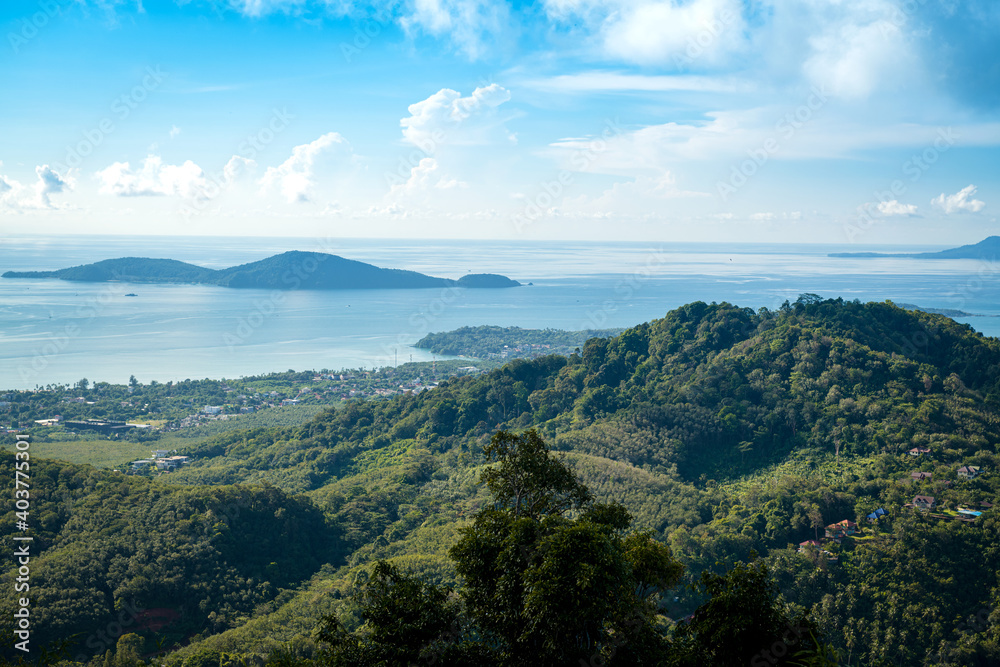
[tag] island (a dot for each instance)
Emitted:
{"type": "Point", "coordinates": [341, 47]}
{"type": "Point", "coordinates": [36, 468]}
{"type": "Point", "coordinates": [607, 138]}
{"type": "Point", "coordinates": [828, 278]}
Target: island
{"type": "Point", "coordinates": [500, 343]}
{"type": "Point", "coordinates": [987, 249]}
{"type": "Point", "coordinates": [288, 271]}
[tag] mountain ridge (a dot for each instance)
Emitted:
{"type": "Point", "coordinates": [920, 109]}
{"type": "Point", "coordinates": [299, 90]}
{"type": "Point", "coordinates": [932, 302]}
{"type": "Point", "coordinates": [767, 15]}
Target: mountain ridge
{"type": "Point", "coordinates": [988, 248]}
{"type": "Point", "coordinates": [294, 269]}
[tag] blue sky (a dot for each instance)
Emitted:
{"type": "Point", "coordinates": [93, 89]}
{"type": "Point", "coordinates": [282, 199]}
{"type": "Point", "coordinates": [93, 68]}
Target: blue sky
{"type": "Point", "coordinates": [869, 121]}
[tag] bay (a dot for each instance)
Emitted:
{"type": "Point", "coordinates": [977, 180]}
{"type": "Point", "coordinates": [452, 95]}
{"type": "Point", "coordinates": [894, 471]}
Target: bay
{"type": "Point", "coordinates": [54, 331]}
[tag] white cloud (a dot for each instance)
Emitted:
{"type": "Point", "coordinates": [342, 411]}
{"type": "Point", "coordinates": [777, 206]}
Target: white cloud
{"type": "Point", "coordinates": [422, 178]}
{"type": "Point", "coordinates": [49, 182]}
{"type": "Point", "coordinates": [960, 202]}
{"type": "Point", "coordinates": [605, 81]}
{"type": "Point", "coordinates": [469, 24]}
{"type": "Point", "coordinates": [153, 178]}
{"type": "Point", "coordinates": [17, 196]}
{"type": "Point", "coordinates": [174, 131]}
{"type": "Point", "coordinates": [893, 207]}
{"type": "Point", "coordinates": [658, 31]}
{"type": "Point", "coordinates": [296, 176]}
{"type": "Point", "coordinates": [860, 54]}
{"type": "Point", "coordinates": [448, 118]}
{"type": "Point", "coordinates": [237, 167]}
{"type": "Point", "coordinates": [762, 216]}
{"type": "Point", "coordinates": [644, 195]}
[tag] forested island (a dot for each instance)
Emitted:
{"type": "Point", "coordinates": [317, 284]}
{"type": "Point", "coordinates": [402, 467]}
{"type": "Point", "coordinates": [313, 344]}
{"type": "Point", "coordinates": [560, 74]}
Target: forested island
{"type": "Point", "coordinates": [811, 485]}
{"type": "Point", "coordinates": [287, 271]}
{"type": "Point", "coordinates": [988, 249]}
{"type": "Point", "coordinates": [495, 342]}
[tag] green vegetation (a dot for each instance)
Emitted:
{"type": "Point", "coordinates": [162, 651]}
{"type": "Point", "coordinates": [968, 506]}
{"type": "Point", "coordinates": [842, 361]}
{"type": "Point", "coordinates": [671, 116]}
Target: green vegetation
{"type": "Point", "coordinates": [493, 342]}
{"type": "Point", "coordinates": [730, 435]}
{"type": "Point", "coordinates": [104, 543]}
{"type": "Point", "coordinates": [289, 270]}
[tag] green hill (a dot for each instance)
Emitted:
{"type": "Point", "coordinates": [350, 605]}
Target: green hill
{"type": "Point", "coordinates": [289, 270]}
{"type": "Point", "coordinates": [727, 432]}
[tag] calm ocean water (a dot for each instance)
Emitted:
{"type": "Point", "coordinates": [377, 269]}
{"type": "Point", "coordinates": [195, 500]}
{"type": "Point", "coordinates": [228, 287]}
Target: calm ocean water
{"type": "Point", "coordinates": [59, 332]}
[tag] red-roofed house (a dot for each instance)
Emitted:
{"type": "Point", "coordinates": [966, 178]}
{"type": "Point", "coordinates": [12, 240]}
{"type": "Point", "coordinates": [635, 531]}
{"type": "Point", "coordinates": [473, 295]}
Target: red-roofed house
{"type": "Point", "coordinates": [841, 529]}
{"type": "Point", "coordinates": [808, 543]}
{"type": "Point", "coordinates": [924, 502]}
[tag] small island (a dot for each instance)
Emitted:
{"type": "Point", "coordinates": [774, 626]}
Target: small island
{"type": "Point", "coordinates": [500, 343]}
{"type": "Point", "coordinates": [288, 271]}
{"type": "Point", "coordinates": [987, 249]}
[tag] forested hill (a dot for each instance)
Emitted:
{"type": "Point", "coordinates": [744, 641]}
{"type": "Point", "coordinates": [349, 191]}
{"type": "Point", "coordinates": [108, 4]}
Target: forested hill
{"type": "Point", "coordinates": [725, 431]}
{"type": "Point", "coordinates": [289, 270]}
{"type": "Point", "coordinates": [711, 390]}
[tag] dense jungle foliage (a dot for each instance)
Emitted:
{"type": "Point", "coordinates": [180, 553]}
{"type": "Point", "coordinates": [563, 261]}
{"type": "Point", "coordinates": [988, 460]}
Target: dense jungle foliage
{"type": "Point", "coordinates": [731, 435]}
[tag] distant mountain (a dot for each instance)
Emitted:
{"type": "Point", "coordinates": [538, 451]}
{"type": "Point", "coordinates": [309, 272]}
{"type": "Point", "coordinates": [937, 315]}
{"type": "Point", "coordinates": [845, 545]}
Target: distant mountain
{"type": "Point", "coordinates": [947, 312]}
{"type": "Point", "coordinates": [289, 270]}
{"type": "Point", "coordinates": [988, 248]}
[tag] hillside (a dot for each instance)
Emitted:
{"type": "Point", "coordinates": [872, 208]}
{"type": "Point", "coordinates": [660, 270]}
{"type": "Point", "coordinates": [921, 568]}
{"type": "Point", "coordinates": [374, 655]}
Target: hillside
{"type": "Point", "coordinates": [723, 430]}
{"type": "Point", "coordinates": [289, 270]}
{"type": "Point", "coordinates": [987, 249]}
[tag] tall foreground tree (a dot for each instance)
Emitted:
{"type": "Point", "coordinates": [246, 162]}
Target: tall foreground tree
{"type": "Point", "coordinates": [552, 577]}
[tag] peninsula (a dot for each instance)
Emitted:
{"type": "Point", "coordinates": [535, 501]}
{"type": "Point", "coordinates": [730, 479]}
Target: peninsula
{"type": "Point", "coordinates": [288, 271]}
{"type": "Point", "coordinates": [987, 249]}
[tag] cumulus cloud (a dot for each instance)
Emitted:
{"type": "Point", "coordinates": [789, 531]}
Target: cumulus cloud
{"type": "Point", "coordinates": [471, 25]}
{"type": "Point", "coordinates": [423, 178]}
{"type": "Point", "coordinates": [153, 178]}
{"type": "Point", "coordinates": [447, 117]}
{"type": "Point", "coordinates": [174, 131]}
{"type": "Point", "coordinates": [18, 196]}
{"type": "Point", "coordinates": [669, 31]}
{"type": "Point", "coordinates": [237, 167]}
{"type": "Point", "coordinates": [295, 178]}
{"type": "Point", "coordinates": [960, 202]}
{"type": "Point", "coordinates": [49, 182]}
{"type": "Point", "coordinates": [893, 208]}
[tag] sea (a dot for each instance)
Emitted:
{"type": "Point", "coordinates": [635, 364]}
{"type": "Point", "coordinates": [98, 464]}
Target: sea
{"type": "Point", "coordinates": [58, 332]}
